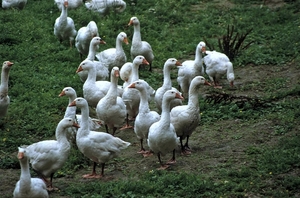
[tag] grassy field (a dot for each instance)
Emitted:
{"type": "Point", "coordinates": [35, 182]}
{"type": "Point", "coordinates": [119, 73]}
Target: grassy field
{"type": "Point", "coordinates": [248, 146]}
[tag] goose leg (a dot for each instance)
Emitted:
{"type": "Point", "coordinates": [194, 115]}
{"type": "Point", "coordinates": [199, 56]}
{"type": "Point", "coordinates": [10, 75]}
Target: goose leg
{"type": "Point", "coordinates": [162, 166]}
{"type": "Point", "coordinates": [142, 151]}
{"type": "Point", "coordinates": [127, 126]}
{"type": "Point", "coordinates": [172, 160]}
{"type": "Point", "coordinates": [50, 186]}
{"type": "Point", "coordinates": [93, 174]}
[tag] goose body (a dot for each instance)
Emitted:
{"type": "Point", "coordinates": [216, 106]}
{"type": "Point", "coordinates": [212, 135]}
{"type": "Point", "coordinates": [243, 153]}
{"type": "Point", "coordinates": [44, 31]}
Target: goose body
{"type": "Point", "coordinates": [94, 90]}
{"type": "Point", "coordinates": [100, 147]}
{"type": "Point", "coordinates": [27, 186]}
{"type": "Point", "coordinates": [4, 98]}
{"type": "Point", "coordinates": [64, 28]}
{"type": "Point", "coordinates": [138, 46]}
{"type": "Point", "coordinates": [48, 156]}
{"type": "Point", "coordinates": [186, 118]}
{"type": "Point", "coordinates": [111, 109]}
{"type": "Point", "coordinates": [114, 57]}
{"type": "Point", "coordinates": [84, 37]}
{"type": "Point", "coordinates": [71, 113]}
{"type": "Point", "coordinates": [167, 85]}
{"type": "Point", "coordinates": [103, 7]}
{"type": "Point", "coordinates": [20, 4]}
{"type": "Point", "coordinates": [217, 65]}
{"type": "Point", "coordinates": [101, 71]}
{"type": "Point", "coordinates": [72, 4]}
{"type": "Point", "coordinates": [145, 117]}
{"type": "Point", "coordinates": [190, 69]}
{"type": "Point", "coordinates": [131, 97]}
{"type": "Point", "coordinates": [162, 137]}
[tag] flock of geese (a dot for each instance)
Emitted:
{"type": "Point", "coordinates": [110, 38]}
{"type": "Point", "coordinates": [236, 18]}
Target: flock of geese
{"type": "Point", "coordinates": [115, 105]}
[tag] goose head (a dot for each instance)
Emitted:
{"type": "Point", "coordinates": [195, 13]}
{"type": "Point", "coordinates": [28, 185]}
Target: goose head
{"type": "Point", "coordinates": [122, 36]}
{"type": "Point", "coordinates": [201, 47]}
{"type": "Point", "coordinates": [133, 21]}
{"type": "Point", "coordinates": [140, 60]}
{"type": "Point", "coordinates": [7, 65]}
{"type": "Point", "coordinates": [67, 91]}
{"type": "Point", "coordinates": [86, 65]}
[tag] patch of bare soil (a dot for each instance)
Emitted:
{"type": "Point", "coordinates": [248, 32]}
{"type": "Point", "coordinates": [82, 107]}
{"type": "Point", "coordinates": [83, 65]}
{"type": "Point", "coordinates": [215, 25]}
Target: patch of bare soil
{"type": "Point", "coordinates": [220, 144]}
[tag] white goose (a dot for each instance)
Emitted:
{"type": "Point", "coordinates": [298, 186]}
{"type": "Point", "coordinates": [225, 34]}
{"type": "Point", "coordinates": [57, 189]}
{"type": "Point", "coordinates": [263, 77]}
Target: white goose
{"type": "Point", "coordinates": [126, 74]}
{"type": "Point", "coordinates": [101, 72]}
{"type": "Point", "coordinates": [114, 57]}
{"type": "Point", "coordinates": [131, 96]}
{"type": "Point", "coordinates": [4, 98]}
{"type": "Point", "coordinates": [105, 6]}
{"type": "Point", "coordinates": [64, 27]}
{"type": "Point", "coordinates": [73, 4]}
{"type": "Point", "coordinates": [167, 85]}
{"type": "Point", "coordinates": [27, 186]}
{"type": "Point", "coordinates": [145, 117]}
{"type": "Point", "coordinates": [218, 64]}
{"type": "Point", "coordinates": [190, 69]}
{"type": "Point", "coordinates": [48, 156]}
{"type": "Point", "coordinates": [20, 4]}
{"type": "Point", "coordinates": [186, 118]}
{"type": "Point", "coordinates": [138, 46]}
{"type": "Point", "coordinates": [162, 137]}
{"type": "Point", "coordinates": [100, 147]}
{"type": "Point", "coordinates": [111, 109]}
{"type": "Point", "coordinates": [71, 113]}
{"type": "Point", "coordinates": [84, 37]}
{"type": "Point", "coordinates": [94, 90]}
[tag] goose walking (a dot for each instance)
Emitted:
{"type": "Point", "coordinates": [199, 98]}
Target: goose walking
{"type": "Point", "coordinates": [145, 117]}
{"type": "Point", "coordinates": [100, 147]}
{"type": "Point", "coordinates": [138, 46]}
{"type": "Point", "coordinates": [64, 28]}
{"type": "Point", "coordinates": [186, 118]}
{"type": "Point", "coordinates": [162, 137]}
{"type": "Point", "coordinates": [48, 156]}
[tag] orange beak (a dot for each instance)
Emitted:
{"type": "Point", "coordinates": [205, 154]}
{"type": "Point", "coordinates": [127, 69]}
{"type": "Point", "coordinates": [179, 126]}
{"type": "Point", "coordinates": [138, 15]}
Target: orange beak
{"type": "Point", "coordinates": [62, 94]}
{"type": "Point", "coordinates": [79, 69]}
{"type": "Point", "coordinates": [72, 104]}
{"type": "Point", "coordinates": [145, 62]}
{"type": "Point", "coordinates": [179, 96]}
{"type": "Point", "coordinates": [125, 40]}
{"type": "Point", "coordinates": [207, 83]}
{"type": "Point", "coordinates": [132, 85]}
{"type": "Point", "coordinates": [178, 63]}
{"type": "Point", "coordinates": [76, 125]}
{"type": "Point", "coordinates": [130, 23]}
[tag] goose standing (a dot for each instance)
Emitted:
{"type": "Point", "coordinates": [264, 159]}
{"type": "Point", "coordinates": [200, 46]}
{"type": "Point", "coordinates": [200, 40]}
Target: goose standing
{"type": "Point", "coordinates": [71, 113]}
{"type": "Point", "coordinates": [4, 98]}
{"type": "Point", "coordinates": [167, 85]}
{"type": "Point", "coordinates": [84, 37]}
{"type": "Point", "coordinates": [131, 97]}
{"type": "Point", "coordinates": [105, 6]}
{"type": "Point", "coordinates": [218, 64]}
{"type": "Point", "coordinates": [111, 109]}
{"type": "Point", "coordinates": [27, 186]}
{"type": "Point", "coordinates": [100, 147]}
{"type": "Point", "coordinates": [73, 4]}
{"type": "Point", "coordinates": [162, 137]}
{"type": "Point", "coordinates": [138, 46]}
{"type": "Point", "coordinates": [101, 72]}
{"type": "Point", "coordinates": [190, 69]}
{"type": "Point", "coordinates": [48, 156]}
{"type": "Point", "coordinates": [20, 4]}
{"type": "Point", "coordinates": [114, 57]}
{"type": "Point", "coordinates": [186, 118]}
{"type": "Point", "coordinates": [94, 90]}
{"type": "Point", "coordinates": [145, 117]}
{"type": "Point", "coordinates": [64, 27]}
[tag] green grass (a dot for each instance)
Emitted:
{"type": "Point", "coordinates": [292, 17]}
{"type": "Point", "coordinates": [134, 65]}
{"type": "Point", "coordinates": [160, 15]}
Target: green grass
{"type": "Point", "coordinates": [43, 67]}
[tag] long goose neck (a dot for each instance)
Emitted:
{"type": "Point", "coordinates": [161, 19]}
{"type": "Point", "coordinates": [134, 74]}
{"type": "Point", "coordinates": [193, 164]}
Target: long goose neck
{"type": "Point", "coordinates": [119, 47]}
{"type": "Point", "coordinates": [61, 138]}
{"type": "Point", "coordinates": [92, 52]}
{"type": "Point", "coordinates": [198, 59]}
{"type": "Point", "coordinates": [193, 100]}
{"type": "Point", "coordinates": [84, 124]}
{"type": "Point", "coordinates": [165, 113]}
{"type": "Point", "coordinates": [63, 14]}
{"type": "Point", "coordinates": [25, 178]}
{"type": "Point", "coordinates": [92, 75]}
{"type": "Point", "coordinates": [229, 68]}
{"type": "Point", "coordinates": [135, 72]}
{"type": "Point", "coordinates": [137, 38]}
{"type": "Point", "coordinates": [167, 77]}
{"type": "Point", "coordinates": [113, 89]}
{"type": "Point", "coordinates": [4, 81]}
{"type": "Point", "coordinates": [144, 105]}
